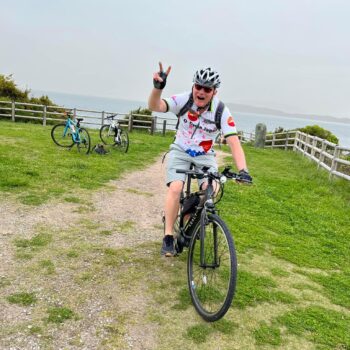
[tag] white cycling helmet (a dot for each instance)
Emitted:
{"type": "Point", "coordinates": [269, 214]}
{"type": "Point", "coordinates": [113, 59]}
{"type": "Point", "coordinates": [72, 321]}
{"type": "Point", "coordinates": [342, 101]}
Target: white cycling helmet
{"type": "Point", "coordinates": [207, 77]}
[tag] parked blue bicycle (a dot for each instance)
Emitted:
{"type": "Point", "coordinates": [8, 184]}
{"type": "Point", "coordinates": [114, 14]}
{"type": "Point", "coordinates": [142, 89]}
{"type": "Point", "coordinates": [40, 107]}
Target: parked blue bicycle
{"type": "Point", "coordinates": [70, 133]}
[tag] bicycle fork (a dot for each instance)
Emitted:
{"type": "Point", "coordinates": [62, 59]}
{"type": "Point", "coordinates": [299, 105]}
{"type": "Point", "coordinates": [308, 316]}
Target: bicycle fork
{"type": "Point", "coordinates": [204, 221]}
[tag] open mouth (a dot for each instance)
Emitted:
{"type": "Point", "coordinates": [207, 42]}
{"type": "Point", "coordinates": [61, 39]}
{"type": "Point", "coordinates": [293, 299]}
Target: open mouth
{"type": "Point", "coordinates": [201, 98]}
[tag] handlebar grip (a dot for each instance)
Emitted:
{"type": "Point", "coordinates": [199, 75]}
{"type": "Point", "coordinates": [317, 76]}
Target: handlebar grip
{"type": "Point", "coordinates": [181, 171]}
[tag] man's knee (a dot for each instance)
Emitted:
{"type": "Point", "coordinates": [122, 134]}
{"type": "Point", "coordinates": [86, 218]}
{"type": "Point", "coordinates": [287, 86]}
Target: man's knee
{"type": "Point", "coordinates": [175, 188]}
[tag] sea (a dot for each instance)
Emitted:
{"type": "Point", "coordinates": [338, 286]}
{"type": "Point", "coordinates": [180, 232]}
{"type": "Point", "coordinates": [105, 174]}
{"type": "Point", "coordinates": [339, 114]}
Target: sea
{"type": "Point", "coordinates": [244, 121]}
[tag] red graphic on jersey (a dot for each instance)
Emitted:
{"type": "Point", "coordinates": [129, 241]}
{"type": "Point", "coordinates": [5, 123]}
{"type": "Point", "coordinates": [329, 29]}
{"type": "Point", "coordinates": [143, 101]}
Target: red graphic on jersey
{"type": "Point", "coordinates": [193, 117]}
{"type": "Point", "coordinates": [230, 121]}
{"type": "Point", "coordinates": [206, 145]}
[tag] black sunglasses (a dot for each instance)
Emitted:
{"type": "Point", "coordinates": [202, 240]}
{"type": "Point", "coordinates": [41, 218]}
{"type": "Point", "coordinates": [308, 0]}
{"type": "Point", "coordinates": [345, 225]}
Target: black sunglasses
{"type": "Point", "coordinates": [200, 87]}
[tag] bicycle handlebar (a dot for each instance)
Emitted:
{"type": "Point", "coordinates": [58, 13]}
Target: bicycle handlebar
{"type": "Point", "coordinates": [112, 116]}
{"type": "Point", "coordinates": [205, 173]}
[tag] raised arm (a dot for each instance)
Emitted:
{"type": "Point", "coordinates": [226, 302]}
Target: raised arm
{"type": "Point", "coordinates": [155, 103]}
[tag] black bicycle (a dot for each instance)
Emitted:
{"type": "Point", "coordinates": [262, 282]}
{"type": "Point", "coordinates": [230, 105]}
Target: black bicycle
{"type": "Point", "coordinates": [211, 262]}
{"type": "Point", "coordinates": [112, 134]}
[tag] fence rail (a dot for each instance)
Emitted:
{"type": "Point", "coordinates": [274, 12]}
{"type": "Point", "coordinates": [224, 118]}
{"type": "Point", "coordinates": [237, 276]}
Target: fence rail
{"type": "Point", "coordinates": [334, 158]}
{"type": "Point", "coordinates": [44, 114]}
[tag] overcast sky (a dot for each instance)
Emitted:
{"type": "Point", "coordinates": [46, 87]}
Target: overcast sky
{"type": "Point", "coordinates": [292, 55]}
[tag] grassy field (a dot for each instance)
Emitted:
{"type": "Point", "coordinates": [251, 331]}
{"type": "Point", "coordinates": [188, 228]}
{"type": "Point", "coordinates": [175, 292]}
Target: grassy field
{"type": "Point", "coordinates": [291, 230]}
{"type": "Point", "coordinates": [34, 169]}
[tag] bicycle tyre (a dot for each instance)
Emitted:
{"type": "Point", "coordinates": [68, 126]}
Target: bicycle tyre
{"type": "Point", "coordinates": [211, 294]}
{"type": "Point", "coordinates": [105, 136]}
{"type": "Point", "coordinates": [58, 137]}
{"type": "Point", "coordinates": [85, 141]}
{"type": "Point", "coordinates": [124, 141]}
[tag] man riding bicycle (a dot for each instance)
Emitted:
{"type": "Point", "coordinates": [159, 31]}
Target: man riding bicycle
{"type": "Point", "coordinates": [201, 117]}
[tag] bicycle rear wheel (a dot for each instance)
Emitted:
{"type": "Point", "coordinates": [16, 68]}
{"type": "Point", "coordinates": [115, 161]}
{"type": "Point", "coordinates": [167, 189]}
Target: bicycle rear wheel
{"type": "Point", "coordinates": [212, 282]}
{"type": "Point", "coordinates": [61, 136]}
{"type": "Point", "coordinates": [107, 135]}
{"type": "Point", "coordinates": [85, 141]}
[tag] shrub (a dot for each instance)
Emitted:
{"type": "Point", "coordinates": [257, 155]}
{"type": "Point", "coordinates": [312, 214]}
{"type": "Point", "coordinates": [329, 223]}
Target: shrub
{"type": "Point", "coordinates": [10, 92]}
{"type": "Point", "coordinates": [143, 115]}
{"type": "Point", "coordinates": [322, 133]}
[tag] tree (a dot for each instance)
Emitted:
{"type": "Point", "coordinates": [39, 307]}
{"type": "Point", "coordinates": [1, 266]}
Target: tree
{"type": "Point", "coordinates": [10, 91]}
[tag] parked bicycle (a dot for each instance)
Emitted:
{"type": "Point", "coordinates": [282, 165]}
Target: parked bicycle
{"type": "Point", "coordinates": [211, 261]}
{"type": "Point", "coordinates": [70, 133]}
{"type": "Point", "coordinates": [112, 134]}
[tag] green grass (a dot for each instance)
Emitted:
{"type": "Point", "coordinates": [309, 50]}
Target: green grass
{"type": "Point", "coordinates": [266, 334]}
{"type": "Point", "coordinates": [294, 213]}
{"type": "Point", "coordinates": [39, 240]}
{"type": "Point", "coordinates": [35, 170]}
{"type": "Point", "coordinates": [59, 314]}
{"type": "Point", "coordinates": [253, 289]}
{"type": "Point", "coordinates": [24, 299]}
{"type": "Point", "coordinates": [327, 328]}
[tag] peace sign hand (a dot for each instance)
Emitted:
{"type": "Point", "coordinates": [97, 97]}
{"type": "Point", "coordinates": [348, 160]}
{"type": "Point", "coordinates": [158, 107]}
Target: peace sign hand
{"type": "Point", "coordinates": [159, 78]}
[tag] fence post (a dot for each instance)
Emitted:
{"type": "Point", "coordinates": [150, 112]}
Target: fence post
{"type": "Point", "coordinates": [102, 118]}
{"type": "Point", "coordinates": [74, 113]}
{"type": "Point", "coordinates": [334, 161]}
{"type": "Point", "coordinates": [295, 141]}
{"type": "Point", "coordinates": [260, 135]}
{"type": "Point", "coordinates": [304, 144]}
{"type": "Point", "coordinates": [13, 111]}
{"type": "Point", "coordinates": [321, 159]}
{"type": "Point", "coordinates": [131, 120]}
{"type": "Point", "coordinates": [153, 125]}
{"type": "Point", "coordinates": [286, 143]}
{"type": "Point", "coordinates": [44, 115]}
{"type": "Point", "coordinates": [164, 127]}
{"type": "Point", "coordinates": [273, 140]}
{"type": "Point", "coordinates": [314, 143]}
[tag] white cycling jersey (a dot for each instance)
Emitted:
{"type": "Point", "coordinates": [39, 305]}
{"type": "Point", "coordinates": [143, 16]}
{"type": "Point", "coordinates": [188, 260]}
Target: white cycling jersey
{"type": "Point", "coordinates": [196, 132]}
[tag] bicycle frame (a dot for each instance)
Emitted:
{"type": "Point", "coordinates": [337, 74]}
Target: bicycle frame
{"type": "Point", "coordinates": [114, 129]}
{"type": "Point", "coordinates": [74, 127]}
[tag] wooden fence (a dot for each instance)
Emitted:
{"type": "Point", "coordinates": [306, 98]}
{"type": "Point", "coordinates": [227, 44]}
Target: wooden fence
{"type": "Point", "coordinates": [334, 158]}
{"type": "Point", "coordinates": [51, 114]}
{"type": "Point", "coordinates": [94, 119]}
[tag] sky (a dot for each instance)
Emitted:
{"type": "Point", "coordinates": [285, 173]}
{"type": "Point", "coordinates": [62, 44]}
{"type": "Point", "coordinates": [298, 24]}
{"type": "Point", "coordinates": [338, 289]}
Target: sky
{"type": "Point", "coordinates": [291, 55]}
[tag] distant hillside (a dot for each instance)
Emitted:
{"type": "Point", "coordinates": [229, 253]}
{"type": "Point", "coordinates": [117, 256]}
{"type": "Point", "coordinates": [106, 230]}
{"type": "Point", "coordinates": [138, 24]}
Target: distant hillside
{"type": "Point", "coordinates": [269, 111]}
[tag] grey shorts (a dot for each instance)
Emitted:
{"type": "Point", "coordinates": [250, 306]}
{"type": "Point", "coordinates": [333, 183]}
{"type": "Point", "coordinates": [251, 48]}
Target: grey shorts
{"type": "Point", "coordinates": [179, 159]}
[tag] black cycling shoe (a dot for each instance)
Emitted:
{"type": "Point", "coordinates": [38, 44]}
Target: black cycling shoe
{"type": "Point", "coordinates": [168, 246]}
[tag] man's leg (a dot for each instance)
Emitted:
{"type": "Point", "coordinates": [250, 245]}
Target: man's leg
{"type": "Point", "coordinates": [172, 205]}
{"type": "Point", "coordinates": [177, 159]}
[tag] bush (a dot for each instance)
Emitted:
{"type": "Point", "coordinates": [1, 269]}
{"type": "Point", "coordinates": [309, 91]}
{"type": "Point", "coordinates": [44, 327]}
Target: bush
{"type": "Point", "coordinates": [143, 115]}
{"type": "Point", "coordinates": [10, 92]}
{"type": "Point", "coordinates": [9, 89]}
{"type": "Point", "coordinates": [316, 130]}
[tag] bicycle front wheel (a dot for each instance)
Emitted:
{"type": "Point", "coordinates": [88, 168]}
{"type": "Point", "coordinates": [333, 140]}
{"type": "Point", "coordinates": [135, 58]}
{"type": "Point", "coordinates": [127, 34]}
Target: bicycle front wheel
{"type": "Point", "coordinates": [123, 143]}
{"type": "Point", "coordinates": [107, 135]}
{"type": "Point", "coordinates": [62, 136]}
{"type": "Point", "coordinates": [212, 273]}
{"type": "Point", "coordinates": [85, 142]}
